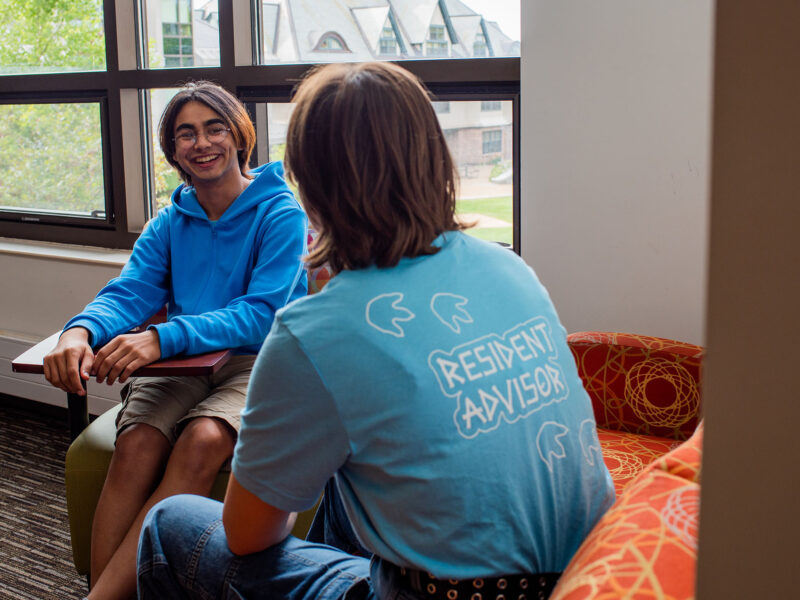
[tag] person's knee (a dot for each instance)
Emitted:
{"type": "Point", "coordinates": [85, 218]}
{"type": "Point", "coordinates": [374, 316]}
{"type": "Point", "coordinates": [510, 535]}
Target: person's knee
{"type": "Point", "coordinates": [203, 446]}
{"type": "Point", "coordinates": [140, 444]}
{"type": "Point", "coordinates": [163, 541]}
{"type": "Point", "coordinates": [159, 518]}
{"type": "Point", "coordinates": [177, 534]}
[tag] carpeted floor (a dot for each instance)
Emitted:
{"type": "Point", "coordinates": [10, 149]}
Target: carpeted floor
{"type": "Point", "coordinates": [35, 553]}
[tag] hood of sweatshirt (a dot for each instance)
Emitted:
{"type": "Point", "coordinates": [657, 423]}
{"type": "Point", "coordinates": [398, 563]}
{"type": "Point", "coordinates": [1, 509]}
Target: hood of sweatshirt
{"type": "Point", "coordinates": [268, 184]}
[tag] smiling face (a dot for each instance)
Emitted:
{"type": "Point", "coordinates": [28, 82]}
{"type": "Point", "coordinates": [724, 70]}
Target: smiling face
{"type": "Point", "coordinates": [205, 161]}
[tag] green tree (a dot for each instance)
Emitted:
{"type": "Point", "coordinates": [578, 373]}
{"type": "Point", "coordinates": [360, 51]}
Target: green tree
{"type": "Point", "coordinates": [51, 155]}
{"type": "Point", "coordinates": [51, 35]}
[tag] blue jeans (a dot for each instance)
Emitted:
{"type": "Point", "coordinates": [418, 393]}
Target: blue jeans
{"type": "Point", "coordinates": [183, 553]}
{"type": "Point", "coordinates": [332, 527]}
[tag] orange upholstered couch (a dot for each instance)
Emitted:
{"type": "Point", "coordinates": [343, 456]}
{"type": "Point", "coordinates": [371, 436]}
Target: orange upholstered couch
{"type": "Point", "coordinates": [646, 397]}
{"type": "Point", "coordinates": [645, 392]}
{"type": "Point", "coordinates": [645, 546]}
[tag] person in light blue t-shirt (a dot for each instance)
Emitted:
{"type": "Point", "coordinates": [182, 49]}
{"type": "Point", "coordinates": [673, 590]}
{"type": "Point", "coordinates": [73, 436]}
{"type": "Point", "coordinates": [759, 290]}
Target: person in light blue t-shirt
{"type": "Point", "coordinates": [428, 389]}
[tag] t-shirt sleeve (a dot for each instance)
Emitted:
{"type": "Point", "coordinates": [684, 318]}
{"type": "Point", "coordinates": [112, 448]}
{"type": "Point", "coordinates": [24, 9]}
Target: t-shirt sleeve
{"type": "Point", "coordinates": [291, 439]}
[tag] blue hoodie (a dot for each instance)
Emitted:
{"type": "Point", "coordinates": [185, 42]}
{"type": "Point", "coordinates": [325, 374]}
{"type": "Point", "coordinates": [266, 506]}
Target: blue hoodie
{"type": "Point", "coordinates": [223, 280]}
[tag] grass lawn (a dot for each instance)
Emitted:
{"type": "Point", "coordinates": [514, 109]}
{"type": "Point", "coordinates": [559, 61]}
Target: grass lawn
{"type": "Point", "coordinates": [493, 234]}
{"type": "Point", "coordinates": [499, 208]}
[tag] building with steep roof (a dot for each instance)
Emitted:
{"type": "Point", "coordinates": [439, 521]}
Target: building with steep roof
{"type": "Point", "coordinates": [359, 30]}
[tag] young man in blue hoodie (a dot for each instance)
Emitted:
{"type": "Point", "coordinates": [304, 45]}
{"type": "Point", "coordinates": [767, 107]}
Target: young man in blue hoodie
{"type": "Point", "coordinates": [224, 257]}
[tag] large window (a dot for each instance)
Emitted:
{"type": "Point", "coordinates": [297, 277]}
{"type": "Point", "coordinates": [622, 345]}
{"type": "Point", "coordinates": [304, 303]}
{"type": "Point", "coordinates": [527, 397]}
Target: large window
{"type": "Point", "coordinates": [81, 96]}
{"type": "Point", "coordinates": [486, 183]}
{"type": "Point", "coordinates": [51, 160]}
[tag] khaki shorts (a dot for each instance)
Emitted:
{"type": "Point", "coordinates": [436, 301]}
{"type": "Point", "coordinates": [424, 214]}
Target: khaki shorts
{"type": "Point", "coordinates": [168, 403]}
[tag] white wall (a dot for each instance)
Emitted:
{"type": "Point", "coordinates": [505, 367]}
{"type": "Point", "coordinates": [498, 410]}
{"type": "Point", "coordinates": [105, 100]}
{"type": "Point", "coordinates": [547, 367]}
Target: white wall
{"type": "Point", "coordinates": [40, 294]}
{"type": "Point", "coordinates": [43, 286]}
{"type": "Point", "coordinates": [615, 144]}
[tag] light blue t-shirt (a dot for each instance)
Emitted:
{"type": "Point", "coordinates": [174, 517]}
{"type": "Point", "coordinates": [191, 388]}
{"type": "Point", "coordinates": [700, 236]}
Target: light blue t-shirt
{"type": "Point", "coordinates": [444, 397]}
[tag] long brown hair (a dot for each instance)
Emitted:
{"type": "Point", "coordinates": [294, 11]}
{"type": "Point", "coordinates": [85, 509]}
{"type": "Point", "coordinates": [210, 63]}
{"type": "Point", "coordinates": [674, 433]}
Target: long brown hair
{"type": "Point", "coordinates": [370, 161]}
{"type": "Point", "coordinates": [222, 102]}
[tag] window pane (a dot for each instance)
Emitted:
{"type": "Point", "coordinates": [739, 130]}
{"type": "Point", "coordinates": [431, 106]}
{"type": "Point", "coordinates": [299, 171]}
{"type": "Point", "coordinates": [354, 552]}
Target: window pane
{"type": "Point", "coordinates": [184, 8]}
{"type": "Point", "coordinates": [171, 46]}
{"type": "Point", "coordinates": [492, 141]}
{"type": "Point", "coordinates": [51, 159]}
{"type": "Point", "coordinates": [278, 114]}
{"type": "Point", "coordinates": [164, 179]}
{"type": "Point", "coordinates": [194, 29]}
{"type": "Point", "coordinates": [169, 11]}
{"type": "Point", "coordinates": [45, 37]}
{"type": "Point", "coordinates": [269, 26]}
{"type": "Point", "coordinates": [294, 31]}
{"type": "Point", "coordinates": [486, 188]}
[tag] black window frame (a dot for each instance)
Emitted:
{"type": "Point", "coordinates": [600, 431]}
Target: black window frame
{"type": "Point", "coordinates": [446, 78]}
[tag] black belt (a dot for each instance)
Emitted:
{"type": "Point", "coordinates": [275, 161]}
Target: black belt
{"type": "Point", "coordinates": [510, 587]}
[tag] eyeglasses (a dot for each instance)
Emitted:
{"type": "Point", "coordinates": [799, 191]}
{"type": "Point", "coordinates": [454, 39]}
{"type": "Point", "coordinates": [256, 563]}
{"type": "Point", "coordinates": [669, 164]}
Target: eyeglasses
{"type": "Point", "coordinates": [214, 134]}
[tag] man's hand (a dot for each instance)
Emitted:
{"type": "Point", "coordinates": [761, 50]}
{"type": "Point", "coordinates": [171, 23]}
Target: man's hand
{"type": "Point", "coordinates": [70, 361]}
{"type": "Point", "coordinates": [124, 354]}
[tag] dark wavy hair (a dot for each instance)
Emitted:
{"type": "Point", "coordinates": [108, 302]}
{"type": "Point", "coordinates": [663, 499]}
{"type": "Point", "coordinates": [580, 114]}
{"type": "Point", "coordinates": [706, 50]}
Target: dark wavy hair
{"type": "Point", "coordinates": [222, 102]}
{"type": "Point", "coordinates": [371, 165]}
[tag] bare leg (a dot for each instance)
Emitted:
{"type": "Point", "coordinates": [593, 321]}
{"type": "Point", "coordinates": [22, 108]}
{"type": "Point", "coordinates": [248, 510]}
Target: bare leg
{"type": "Point", "coordinates": [202, 448]}
{"type": "Point", "coordinates": [136, 467]}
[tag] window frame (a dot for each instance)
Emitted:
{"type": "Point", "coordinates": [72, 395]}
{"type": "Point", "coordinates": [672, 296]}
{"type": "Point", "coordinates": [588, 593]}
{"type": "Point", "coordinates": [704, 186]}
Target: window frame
{"type": "Point", "coordinates": [447, 78]}
{"type": "Point", "coordinates": [53, 218]}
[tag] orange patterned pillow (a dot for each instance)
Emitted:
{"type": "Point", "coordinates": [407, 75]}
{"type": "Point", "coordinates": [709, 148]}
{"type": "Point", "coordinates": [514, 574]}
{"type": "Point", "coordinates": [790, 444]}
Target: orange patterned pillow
{"type": "Point", "coordinates": [640, 384]}
{"type": "Point", "coordinates": [645, 546]}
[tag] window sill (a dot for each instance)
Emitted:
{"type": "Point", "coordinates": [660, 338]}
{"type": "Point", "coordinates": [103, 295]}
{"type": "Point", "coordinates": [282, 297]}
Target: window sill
{"type": "Point", "coordinates": [65, 252]}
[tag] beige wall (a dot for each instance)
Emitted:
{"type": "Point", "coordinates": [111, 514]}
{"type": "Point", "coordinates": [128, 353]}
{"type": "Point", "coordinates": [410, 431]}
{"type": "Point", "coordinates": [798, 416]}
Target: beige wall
{"type": "Point", "coordinates": [615, 144]}
{"type": "Point", "coordinates": [40, 294]}
{"type": "Point", "coordinates": [750, 527]}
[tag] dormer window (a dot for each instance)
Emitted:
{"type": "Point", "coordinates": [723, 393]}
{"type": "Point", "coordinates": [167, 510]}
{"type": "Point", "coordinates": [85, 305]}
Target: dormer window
{"type": "Point", "coordinates": [479, 47]}
{"type": "Point", "coordinates": [331, 42]}
{"type": "Point", "coordinates": [387, 43]}
{"type": "Point", "coordinates": [436, 44]}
